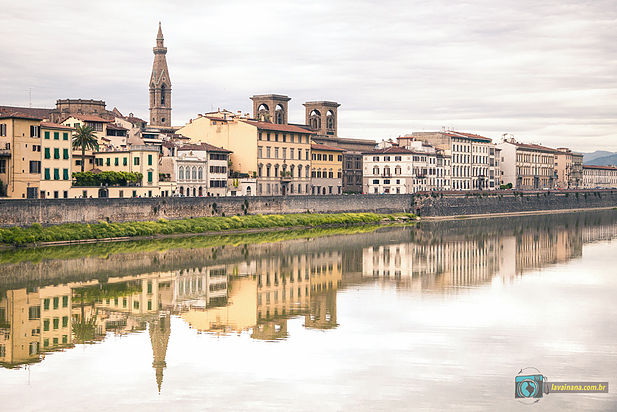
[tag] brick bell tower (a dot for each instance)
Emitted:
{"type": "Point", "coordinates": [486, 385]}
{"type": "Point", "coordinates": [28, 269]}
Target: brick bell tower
{"type": "Point", "coordinates": [160, 85]}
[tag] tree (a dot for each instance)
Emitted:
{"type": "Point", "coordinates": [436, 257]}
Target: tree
{"type": "Point", "coordinates": [86, 140]}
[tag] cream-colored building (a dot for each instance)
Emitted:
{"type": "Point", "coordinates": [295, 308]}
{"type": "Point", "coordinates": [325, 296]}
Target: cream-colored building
{"type": "Point", "coordinates": [527, 166]}
{"type": "Point", "coordinates": [99, 125]}
{"type": "Point", "coordinates": [56, 160]}
{"type": "Point", "coordinates": [326, 170]}
{"type": "Point", "coordinates": [569, 168]}
{"type": "Point", "coordinates": [391, 170]}
{"type": "Point", "coordinates": [599, 177]}
{"type": "Point", "coordinates": [277, 155]}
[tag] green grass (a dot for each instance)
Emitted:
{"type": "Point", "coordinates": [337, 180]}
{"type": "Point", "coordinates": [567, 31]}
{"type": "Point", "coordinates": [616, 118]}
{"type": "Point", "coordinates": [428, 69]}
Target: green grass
{"type": "Point", "coordinates": [103, 230]}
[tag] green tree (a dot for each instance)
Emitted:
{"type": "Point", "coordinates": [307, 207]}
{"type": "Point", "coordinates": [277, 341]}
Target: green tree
{"type": "Point", "coordinates": [85, 139]}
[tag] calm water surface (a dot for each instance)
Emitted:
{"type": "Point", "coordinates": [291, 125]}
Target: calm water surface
{"type": "Point", "coordinates": [437, 316]}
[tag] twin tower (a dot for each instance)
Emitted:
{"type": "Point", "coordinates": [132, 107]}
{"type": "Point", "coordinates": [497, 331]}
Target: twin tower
{"type": "Point", "coordinates": [320, 116]}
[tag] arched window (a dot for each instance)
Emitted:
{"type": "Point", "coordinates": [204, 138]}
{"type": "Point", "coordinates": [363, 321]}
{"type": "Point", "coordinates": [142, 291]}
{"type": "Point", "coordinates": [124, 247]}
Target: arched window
{"type": "Point", "coordinates": [330, 174]}
{"type": "Point", "coordinates": [181, 174]}
{"type": "Point", "coordinates": [263, 113]}
{"type": "Point", "coordinates": [248, 190]}
{"type": "Point", "coordinates": [194, 175]}
{"type": "Point", "coordinates": [268, 170]}
{"type": "Point", "coordinates": [259, 169]}
{"type": "Point", "coordinates": [279, 114]}
{"type": "Point", "coordinates": [307, 170]}
{"type": "Point", "coordinates": [315, 119]}
{"type": "Point", "coordinates": [276, 170]}
{"type": "Point", "coordinates": [330, 120]}
{"type": "Point", "coordinates": [299, 170]}
{"type": "Point", "coordinates": [291, 169]}
{"type": "Point", "coordinates": [200, 174]}
{"type": "Point", "coordinates": [375, 170]}
{"type": "Point", "coordinates": [386, 171]}
{"type": "Point", "coordinates": [163, 94]}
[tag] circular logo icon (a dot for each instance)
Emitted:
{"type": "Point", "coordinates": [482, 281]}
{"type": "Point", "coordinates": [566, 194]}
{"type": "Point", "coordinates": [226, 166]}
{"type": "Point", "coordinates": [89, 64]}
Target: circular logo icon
{"type": "Point", "coordinates": [527, 388]}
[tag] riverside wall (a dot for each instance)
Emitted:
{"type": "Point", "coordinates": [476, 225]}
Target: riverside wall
{"type": "Point", "coordinates": [56, 211]}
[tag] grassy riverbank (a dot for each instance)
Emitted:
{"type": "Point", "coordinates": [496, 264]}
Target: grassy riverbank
{"type": "Point", "coordinates": [104, 230]}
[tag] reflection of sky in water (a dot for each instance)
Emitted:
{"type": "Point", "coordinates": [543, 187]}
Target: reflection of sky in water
{"type": "Point", "coordinates": [395, 347]}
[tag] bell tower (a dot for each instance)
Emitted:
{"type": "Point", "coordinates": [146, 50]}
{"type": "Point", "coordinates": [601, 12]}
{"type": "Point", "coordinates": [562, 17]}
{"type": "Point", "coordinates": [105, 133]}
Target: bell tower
{"type": "Point", "coordinates": [160, 85]}
{"type": "Point", "coordinates": [322, 117]}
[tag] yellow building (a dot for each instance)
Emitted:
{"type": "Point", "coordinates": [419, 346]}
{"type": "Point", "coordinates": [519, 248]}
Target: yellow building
{"type": "Point", "coordinates": [326, 170]}
{"type": "Point", "coordinates": [99, 125]}
{"type": "Point", "coordinates": [56, 306]}
{"type": "Point", "coordinates": [278, 155]}
{"type": "Point", "coordinates": [56, 157]}
{"type": "Point", "coordinates": [20, 155]}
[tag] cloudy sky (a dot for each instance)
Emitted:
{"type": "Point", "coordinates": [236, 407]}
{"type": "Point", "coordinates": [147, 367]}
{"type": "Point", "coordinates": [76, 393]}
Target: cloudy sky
{"type": "Point", "coordinates": [545, 72]}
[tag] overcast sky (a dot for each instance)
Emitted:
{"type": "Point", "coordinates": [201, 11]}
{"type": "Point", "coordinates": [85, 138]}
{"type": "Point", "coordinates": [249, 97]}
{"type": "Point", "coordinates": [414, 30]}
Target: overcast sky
{"type": "Point", "coordinates": [544, 71]}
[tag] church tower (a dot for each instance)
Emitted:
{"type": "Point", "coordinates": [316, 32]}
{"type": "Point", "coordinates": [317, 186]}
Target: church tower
{"type": "Point", "coordinates": [160, 85]}
{"type": "Point", "coordinates": [160, 330]}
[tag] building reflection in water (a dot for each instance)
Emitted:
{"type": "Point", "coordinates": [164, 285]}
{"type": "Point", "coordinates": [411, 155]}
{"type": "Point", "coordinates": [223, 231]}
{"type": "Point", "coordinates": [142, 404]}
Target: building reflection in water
{"type": "Point", "coordinates": [257, 289]}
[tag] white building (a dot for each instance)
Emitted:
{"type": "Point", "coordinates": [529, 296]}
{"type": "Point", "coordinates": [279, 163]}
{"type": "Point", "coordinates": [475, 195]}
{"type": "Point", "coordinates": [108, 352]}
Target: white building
{"type": "Point", "coordinates": [390, 170]}
{"type": "Point", "coordinates": [599, 177]}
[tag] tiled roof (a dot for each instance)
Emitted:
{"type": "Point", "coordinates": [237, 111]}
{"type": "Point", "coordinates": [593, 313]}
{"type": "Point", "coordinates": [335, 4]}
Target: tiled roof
{"type": "Point", "coordinates": [390, 150]}
{"type": "Point", "coordinates": [35, 112]}
{"type": "Point", "coordinates": [202, 146]}
{"type": "Point", "coordinates": [317, 146]}
{"type": "Point", "coordinates": [276, 127]}
{"type": "Point", "coordinates": [19, 115]}
{"type": "Point", "coordinates": [599, 167]}
{"type": "Point", "coordinates": [49, 125]}
{"type": "Point", "coordinates": [453, 133]}
{"type": "Point", "coordinates": [535, 147]}
{"type": "Point", "coordinates": [87, 118]}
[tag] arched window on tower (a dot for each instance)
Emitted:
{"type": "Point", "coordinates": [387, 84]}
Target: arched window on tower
{"type": "Point", "coordinates": [263, 113]}
{"type": "Point", "coordinates": [163, 94]}
{"type": "Point", "coordinates": [330, 120]}
{"type": "Point", "coordinates": [315, 119]}
{"type": "Point", "coordinates": [279, 114]}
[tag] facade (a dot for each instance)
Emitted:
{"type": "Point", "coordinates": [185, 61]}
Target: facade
{"type": "Point", "coordinates": [202, 170]}
{"type": "Point", "coordinates": [160, 85]}
{"type": "Point", "coordinates": [433, 166]}
{"type": "Point", "coordinates": [390, 170]}
{"type": "Point", "coordinates": [277, 155]}
{"type": "Point", "coordinates": [99, 125]}
{"type": "Point", "coordinates": [352, 172]}
{"type": "Point", "coordinates": [55, 152]}
{"type": "Point", "coordinates": [527, 166]}
{"type": "Point", "coordinates": [470, 157]}
{"type": "Point", "coordinates": [326, 170]}
{"type": "Point", "coordinates": [599, 177]}
{"type": "Point", "coordinates": [568, 168]}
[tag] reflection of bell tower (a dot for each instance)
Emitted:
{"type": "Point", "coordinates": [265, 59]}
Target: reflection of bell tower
{"type": "Point", "coordinates": [322, 310]}
{"type": "Point", "coordinates": [270, 108]}
{"type": "Point", "coordinates": [159, 337]}
{"type": "Point", "coordinates": [322, 116]}
{"type": "Point", "coordinates": [160, 85]}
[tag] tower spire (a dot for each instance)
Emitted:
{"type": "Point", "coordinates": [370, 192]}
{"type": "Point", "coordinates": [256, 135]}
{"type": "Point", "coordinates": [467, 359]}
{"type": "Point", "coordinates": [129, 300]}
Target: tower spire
{"type": "Point", "coordinates": [160, 85]}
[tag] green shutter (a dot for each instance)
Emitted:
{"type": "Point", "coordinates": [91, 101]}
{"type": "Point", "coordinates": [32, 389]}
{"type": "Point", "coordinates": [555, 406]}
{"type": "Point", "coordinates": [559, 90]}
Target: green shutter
{"type": "Point", "coordinates": [46, 325]}
{"type": "Point", "coordinates": [149, 160]}
{"type": "Point", "coordinates": [109, 161]}
{"type": "Point", "coordinates": [56, 153]}
{"type": "Point", "coordinates": [47, 173]}
{"type": "Point", "coordinates": [65, 299]}
{"type": "Point", "coordinates": [65, 136]}
{"type": "Point", "coordinates": [56, 136]}
{"type": "Point", "coordinates": [46, 135]}
{"type": "Point", "coordinates": [56, 174]}
{"type": "Point", "coordinates": [65, 321]}
{"type": "Point", "coordinates": [65, 174]}
{"type": "Point", "coordinates": [116, 161]}
{"type": "Point", "coordinates": [124, 161]}
{"type": "Point", "coordinates": [136, 161]}
{"type": "Point", "coordinates": [65, 153]}
{"type": "Point", "coordinates": [47, 153]}
{"type": "Point", "coordinates": [46, 304]}
{"type": "Point", "coordinates": [149, 177]}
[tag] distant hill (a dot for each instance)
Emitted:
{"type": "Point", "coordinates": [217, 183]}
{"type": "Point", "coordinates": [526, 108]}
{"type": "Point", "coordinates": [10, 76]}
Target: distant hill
{"type": "Point", "coordinates": [589, 157]}
{"type": "Point", "coordinates": [610, 160]}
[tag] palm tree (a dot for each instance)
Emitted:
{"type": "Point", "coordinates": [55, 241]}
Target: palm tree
{"type": "Point", "coordinates": [86, 139]}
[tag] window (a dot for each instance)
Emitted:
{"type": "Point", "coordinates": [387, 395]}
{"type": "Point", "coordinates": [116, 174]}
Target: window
{"type": "Point", "coordinates": [65, 175]}
{"type": "Point", "coordinates": [35, 131]}
{"type": "Point", "coordinates": [46, 325]}
{"type": "Point", "coordinates": [47, 153]}
{"type": "Point", "coordinates": [56, 153]}
{"type": "Point", "coordinates": [46, 135]}
{"type": "Point", "coordinates": [259, 151]}
{"type": "Point", "coordinates": [3, 166]}
{"type": "Point", "coordinates": [149, 160]}
{"type": "Point", "coordinates": [56, 323]}
{"type": "Point", "coordinates": [46, 304]}
{"type": "Point", "coordinates": [181, 173]}
{"type": "Point", "coordinates": [56, 174]}
{"type": "Point", "coordinates": [47, 174]}
{"type": "Point", "coordinates": [108, 162]}
{"type": "Point", "coordinates": [56, 302]}
{"type": "Point", "coordinates": [65, 136]}
{"type": "Point", "coordinates": [65, 321]}
{"type": "Point", "coordinates": [34, 312]}
{"type": "Point", "coordinates": [65, 154]}
{"type": "Point", "coordinates": [136, 161]}
{"type": "Point", "coordinates": [124, 161]}
{"type": "Point", "coordinates": [35, 166]}
{"type": "Point", "coordinates": [56, 136]}
{"type": "Point", "coordinates": [65, 301]}
{"type": "Point", "coordinates": [116, 161]}
{"type": "Point", "coordinates": [149, 177]}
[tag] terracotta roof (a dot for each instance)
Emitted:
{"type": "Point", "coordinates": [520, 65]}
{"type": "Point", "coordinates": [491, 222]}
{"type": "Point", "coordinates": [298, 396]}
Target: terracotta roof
{"type": "Point", "coordinates": [600, 167]}
{"type": "Point", "coordinates": [114, 126]}
{"type": "Point", "coordinates": [317, 146]}
{"type": "Point", "coordinates": [19, 115]}
{"type": "Point", "coordinates": [534, 147]}
{"type": "Point", "coordinates": [276, 127]}
{"type": "Point", "coordinates": [134, 119]}
{"type": "Point", "coordinates": [202, 146]}
{"type": "Point", "coordinates": [454, 133]}
{"type": "Point", "coordinates": [87, 118]}
{"type": "Point", "coordinates": [391, 150]}
{"type": "Point", "coordinates": [49, 125]}
{"type": "Point", "coordinates": [31, 111]}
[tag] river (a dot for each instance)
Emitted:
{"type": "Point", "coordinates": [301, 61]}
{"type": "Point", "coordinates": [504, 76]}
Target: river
{"type": "Point", "coordinates": [438, 315]}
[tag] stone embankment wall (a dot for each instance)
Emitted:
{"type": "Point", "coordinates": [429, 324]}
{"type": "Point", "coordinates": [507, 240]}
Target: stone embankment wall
{"type": "Point", "coordinates": [55, 211]}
